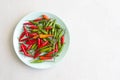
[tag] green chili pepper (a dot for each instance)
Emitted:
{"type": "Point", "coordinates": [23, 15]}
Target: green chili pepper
{"type": "Point", "coordinates": [33, 46]}
{"type": "Point", "coordinates": [57, 26]}
{"type": "Point", "coordinates": [40, 26]}
{"type": "Point", "coordinates": [43, 31]}
{"type": "Point", "coordinates": [59, 44]}
{"type": "Point", "coordinates": [58, 33]}
{"type": "Point", "coordinates": [56, 54]}
{"type": "Point", "coordinates": [37, 61]}
{"type": "Point", "coordinates": [53, 30]}
{"type": "Point", "coordinates": [61, 33]}
{"type": "Point", "coordinates": [34, 30]}
{"type": "Point", "coordinates": [35, 23]}
{"type": "Point", "coordinates": [48, 22]}
{"type": "Point", "coordinates": [48, 49]}
{"type": "Point", "coordinates": [45, 47]}
{"type": "Point", "coordinates": [54, 21]}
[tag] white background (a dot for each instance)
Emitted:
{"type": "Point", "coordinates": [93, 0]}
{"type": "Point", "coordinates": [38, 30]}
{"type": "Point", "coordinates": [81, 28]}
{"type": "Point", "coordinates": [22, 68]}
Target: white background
{"type": "Point", "coordinates": [94, 51]}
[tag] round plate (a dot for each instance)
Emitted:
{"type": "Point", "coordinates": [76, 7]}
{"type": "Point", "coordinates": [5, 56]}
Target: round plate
{"type": "Point", "coordinates": [27, 60]}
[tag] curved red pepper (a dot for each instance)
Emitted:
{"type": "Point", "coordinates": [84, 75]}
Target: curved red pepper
{"type": "Point", "coordinates": [45, 58]}
{"type": "Point", "coordinates": [33, 27]}
{"type": "Point", "coordinates": [48, 28]}
{"type": "Point", "coordinates": [28, 48]}
{"type": "Point", "coordinates": [44, 44]}
{"type": "Point", "coordinates": [24, 51]}
{"type": "Point", "coordinates": [37, 54]}
{"type": "Point", "coordinates": [28, 23]}
{"type": "Point", "coordinates": [62, 39]}
{"type": "Point", "coordinates": [56, 47]}
{"type": "Point", "coordinates": [50, 53]}
{"type": "Point", "coordinates": [22, 35]}
{"type": "Point", "coordinates": [38, 19]}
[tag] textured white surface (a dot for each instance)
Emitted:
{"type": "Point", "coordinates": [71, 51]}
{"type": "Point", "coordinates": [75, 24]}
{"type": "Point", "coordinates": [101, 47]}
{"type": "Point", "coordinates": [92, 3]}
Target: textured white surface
{"type": "Point", "coordinates": [94, 52]}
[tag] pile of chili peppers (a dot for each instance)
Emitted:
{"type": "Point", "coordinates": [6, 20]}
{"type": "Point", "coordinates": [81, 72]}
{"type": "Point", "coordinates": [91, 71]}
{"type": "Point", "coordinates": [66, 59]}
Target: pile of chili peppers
{"type": "Point", "coordinates": [42, 39]}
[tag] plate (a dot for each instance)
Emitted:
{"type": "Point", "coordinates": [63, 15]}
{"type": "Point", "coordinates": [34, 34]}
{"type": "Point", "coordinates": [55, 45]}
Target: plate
{"type": "Point", "coordinates": [27, 60]}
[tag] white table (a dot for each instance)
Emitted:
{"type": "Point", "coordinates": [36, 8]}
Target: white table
{"type": "Point", "coordinates": [94, 52]}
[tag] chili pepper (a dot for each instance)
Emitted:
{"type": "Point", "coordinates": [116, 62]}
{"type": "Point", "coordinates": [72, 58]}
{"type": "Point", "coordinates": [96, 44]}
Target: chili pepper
{"type": "Point", "coordinates": [53, 30]}
{"type": "Point", "coordinates": [29, 47]}
{"type": "Point", "coordinates": [50, 53]}
{"type": "Point", "coordinates": [34, 23]}
{"type": "Point", "coordinates": [59, 43]}
{"type": "Point", "coordinates": [57, 26]}
{"type": "Point", "coordinates": [56, 47]}
{"type": "Point", "coordinates": [33, 27]}
{"type": "Point", "coordinates": [33, 41]}
{"type": "Point", "coordinates": [48, 22]}
{"type": "Point", "coordinates": [44, 44]}
{"type": "Point", "coordinates": [47, 46]}
{"type": "Point", "coordinates": [37, 54]}
{"type": "Point", "coordinates": [25, 30]}
{"type": "Point", "coordinates": [56, 54]}
{"type": "Point", "coordinates": [32, 34]}
{"type": "Point", "coordinates": [24, 48]}
{"type": "Point", "coordinates": [62, 39]}
{"type": "Point", "coordinates": [24, 51]}
{"type": "Point", "coordinates": [25, 39]}
{"type": "Point", "coordinates": [48, 28]}
{"type": "Point", "coordinates": [39, 42]}
{"type": "Point", "coordinates": [61, 33]}
{"type": "Point", "coordinates": [48, 49]}
{"type": "Point", "coordinates": [21, 36]}
{"type": "Point", "coordinates": [28, 23]}
{"type": "Point", "coordinates": [33, 46]}
{"type": "Point", "coordinates": [43, 31]}
{"type": "Point", "coordinates": [45, 58]}
{"type": "Point", "coordinates": [45, 17]}
{"type": "Point", "coordinates": [38, 19]}
{"type": "Point", "coordinates": [37, 61]}
{"type": "Point", "coordinates": [28, 42]}
{"type": "Point", "coordinates": [35, 36]}
{"type": "Point", "coordinates": [45, 35]}
{"type": "Point", "coordinates": [34, 30]}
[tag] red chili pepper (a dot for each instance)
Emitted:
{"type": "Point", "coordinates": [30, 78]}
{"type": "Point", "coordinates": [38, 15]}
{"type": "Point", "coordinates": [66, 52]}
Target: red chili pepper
{"type": "Point", "coordinates": [62, 39]}
{"type": "Point", "coordinates": [21, 36]}
{"type": "Point", "coordinates": [24, 48]}
{"type": "Point", "coordinates": [33, 41]}
{"type": "Point", "coordinates": [44, 44]}
{"type": "Point", "coordinates": [56, 47]}
{"type": "Point", "coordinates": [25, 30]}
{"type": "Point", "coordinates": [48, 28]}
{"type": "Point", "coordinates": [28, 48]}
{"type": "Point", "coordinates": [28, 23]}
{"type": "Point", "coordinates": [45, 58]}
{"type": "Point", "coordinates": [39, 42]}
{"type": "Point", "coordinates": [37, 54]}
{"type": "Point", "coordinates": [24, 51]}
{"type": "Point", "coordinates": [25, 39]}
{"type": "Point", "coordinates": [30, 41]}
{"type": "Point", "coordinates": [50, 53]}
{"type": "Point", "coordinates": [32, 34]}
{"type": "Point", "coordinates": [33, 27]}
{"type": "Point", "coordinates": [38, 19]}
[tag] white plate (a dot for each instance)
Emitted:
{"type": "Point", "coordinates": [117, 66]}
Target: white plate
{"type": "Point", "coordinates": [27, 60]}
